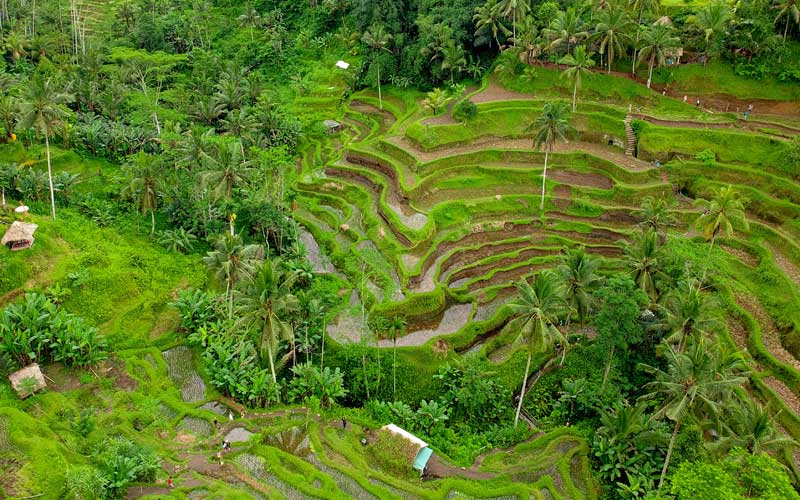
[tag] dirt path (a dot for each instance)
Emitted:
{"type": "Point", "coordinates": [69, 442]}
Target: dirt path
{"type": "Point", "coordinates": [750, 126]}
{"type": "Point", "coordinates": [788, 267]}
{"type": "Point", "coordinates": [454, 318]}
{"type": "Point", "coordinates": [598, 150]}
{"type": "Point", "coordinates": [769, 331]}
{"type": "Point", "coordinates": [494, 92]}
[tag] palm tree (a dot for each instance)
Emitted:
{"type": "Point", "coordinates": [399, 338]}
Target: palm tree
{"type": "Point", "coordinates": [655, 40]}
{"type": "Point", "coordinates": [265, 302]}
{"type": "Point", "coordinates": [226, 168]}
{"type": "Point", "coordinates": [655, 214]}
{"type": "Point", "coordinates": [453, 59]}
{"type": "Point", "coordinates": [396, 327]}
{"type": "Point", "coordinates": [145, 184]}
{"type": "Point", "coordinates": [712, 19]}
{"type": "Point", "coordinates": [688, 312]}
{"type": "Point", "coordinates": [640, 8]}
{"type": "Point", "coordinates": [488, 17]}
{"type": "Point", "coordinates": [378, 39]}
{"type": "Point", "coordinates": [751, 427]}
{"type": "Point", "coordinates": [42, 108]}
{"type": "Point", "coordinates": [791, 10]}
{"type": "Point", "coordinates": [250, 18]}
{"type": "Point", "coordinates": [567, 28]}
{"type": "Point", "coordinates": [512, 9]}
{"type": "Point", "coordinates": [17, 45]}
{"type": "Point", "coordinates": [232, 260]}
{"type": "Point", "coordinates": [578, 272]}
{"type": "Point", "coordinates": [535, 315]}
{"type": "Point", "coordinates": [580, 64]}
{"type": "Point", "coordinates": [8, 113]}
{"type": "Point", "coordinates": [642, 257]}
{"type": "Point", "coordinates": [613, 29]}
{"type": "Point", "coordinates": [722, 214]}
{"type": "Point", "coordinates": [696, 382]}
{"type": "Point", "coordinates": [549, 127]}
{"type": "Point", "coordinates": [435, 100]}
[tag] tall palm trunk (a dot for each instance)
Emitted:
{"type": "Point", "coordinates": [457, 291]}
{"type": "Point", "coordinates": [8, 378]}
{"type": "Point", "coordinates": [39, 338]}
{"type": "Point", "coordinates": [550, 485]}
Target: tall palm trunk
{"type": "Point", "coordinates": [152, 222]}
{"type": "Point", "coordinates": [272, 368]}
{"type": "Point", "coordinates": [380, 98]}
{"type": "Point", "coordinates": [50, 175]}
{"type": "Point", "coordinates": [574, 95]}
{"type": "Point", "coordinates": [650, 72]}
{"type": "Point", "coordinates": [669, 454]}
{"type": "Point", "coordinates": [229, 293]}
{"type": "Point", "coordinates": [522, 392]}
{"type": "Point", "coordinates": [544, 178]}
{"type": "Point", "coordinates": [322, 356]}
{"type": "Point", "coordinates": [394, 368]}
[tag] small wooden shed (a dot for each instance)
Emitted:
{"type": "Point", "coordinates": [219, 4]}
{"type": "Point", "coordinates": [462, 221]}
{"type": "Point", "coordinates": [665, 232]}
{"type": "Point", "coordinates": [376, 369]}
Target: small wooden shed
{"type": "Point", "coordinates": [19, 236]}
{"type": "Point", "coordinates": [422, 452]}
{"type": "Point", "coordinates": [332, 126]}
{"type": "Point", "coordinates": [27, 381]}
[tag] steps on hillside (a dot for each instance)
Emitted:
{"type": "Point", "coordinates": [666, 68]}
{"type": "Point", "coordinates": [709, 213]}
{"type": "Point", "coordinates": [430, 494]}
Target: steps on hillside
{"type": "Point", "coordinates": [630, 137]}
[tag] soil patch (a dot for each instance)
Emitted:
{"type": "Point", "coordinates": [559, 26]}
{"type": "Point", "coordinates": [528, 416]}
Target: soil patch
{"type": "Point", "coordinates": [769, 331]}
{"type": "Point", "coordinates": [59, 378]}
{"type": "Point", "coordinates": [562, 196]}
{"type": "Point", "coordinates": [454, 318]}
{"type": "Point", "coordinates": [581, 179]}
{"type": "Point", "coordinates": [115, 368]}
{"type": "Point", "coordinates": [745, 257]}
{"type": "Point", "coordinates": [319, 264]}
{"type": "Point", "coordinates": [494, 92]}
{"type": "Point", "coordinates": [788, 267]}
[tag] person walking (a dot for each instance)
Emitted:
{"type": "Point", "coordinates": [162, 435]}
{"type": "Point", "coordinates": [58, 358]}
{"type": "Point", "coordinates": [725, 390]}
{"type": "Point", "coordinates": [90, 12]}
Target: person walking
{"type": "Point", "coordinates": [344, 423]}
{"type": "Point", "coordinates": [170, 484]}
{"type": "Point", "coordinates": [685, 99]}
{"type": "Point", "coordinates": [697, 103]}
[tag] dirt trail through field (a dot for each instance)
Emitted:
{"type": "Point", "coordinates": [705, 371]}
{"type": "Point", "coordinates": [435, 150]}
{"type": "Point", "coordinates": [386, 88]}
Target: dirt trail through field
{"type": "Point", "coordinates": [769, 331]}
{"type": "Point", "coordinates": [749, 125]}
{"type": "Point", "coordinates": [605, 152]}
{"type": "Point", "coordinates": [788, 267]}
{"type": "Point", "coordinates": [494, 92]}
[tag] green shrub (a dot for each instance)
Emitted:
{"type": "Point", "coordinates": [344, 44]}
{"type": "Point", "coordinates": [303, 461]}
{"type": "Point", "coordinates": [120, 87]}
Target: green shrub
{"type": "Point", "coordinates": [465, 111]}
{"type": "Point", "coordinates": [708, 157]}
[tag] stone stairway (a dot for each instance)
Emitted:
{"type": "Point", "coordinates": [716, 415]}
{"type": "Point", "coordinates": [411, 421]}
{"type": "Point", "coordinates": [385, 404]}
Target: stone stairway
{"type": "Point", "coordinates": [630, 137]}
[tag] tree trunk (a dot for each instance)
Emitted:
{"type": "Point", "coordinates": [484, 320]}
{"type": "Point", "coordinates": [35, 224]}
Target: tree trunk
{"type": "Point", "coordinates": [669, 454]}
{"type": "Point", "coordinates": [394, 368]}
{"type": "Point", "coordinates": [574, 95]}
{"type": "Point", "coordinates": [50, 175]}
{"type": "Point", "coordinates": [229, 292]}
{"type": "Point", "coordinates": [364, 369]}
{"type": "Point", "coordinates": [272, 369]}
{"type": "Point", "coordinates": [650, 72]}
{"type": "Point", "coordinates": [380, 98]}
{"type": "Point", "coordinates": [608, 367]}
{"type": "Point", "coordinates": [544, 179]}
{"type": "Point", "coordinates": [786, 28]}
{"type": "Point", "coordinates": [322, 357]}
{"type": "Point", "coordinates": [522, 392]}
{"type": "Point", "coordinates": [152, 222]}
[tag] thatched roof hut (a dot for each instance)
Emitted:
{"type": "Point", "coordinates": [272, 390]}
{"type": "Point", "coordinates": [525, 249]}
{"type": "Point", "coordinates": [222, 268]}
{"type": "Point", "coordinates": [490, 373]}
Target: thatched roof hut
{"type": "Point", "coordinates": [19, 382]}
{"type": "Point", "coordinates": [332, 126]}
{"type": "Point", "coordinates": [19, 236]}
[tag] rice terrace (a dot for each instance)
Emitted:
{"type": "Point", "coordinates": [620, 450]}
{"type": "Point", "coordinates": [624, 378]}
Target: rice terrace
{"type": "Point", "coordinates": [382, 249]}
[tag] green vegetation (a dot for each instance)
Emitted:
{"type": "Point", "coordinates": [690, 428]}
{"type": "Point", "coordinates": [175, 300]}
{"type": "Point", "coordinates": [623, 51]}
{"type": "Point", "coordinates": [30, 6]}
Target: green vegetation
{"type": "Point", "coordinates": [559, 243]}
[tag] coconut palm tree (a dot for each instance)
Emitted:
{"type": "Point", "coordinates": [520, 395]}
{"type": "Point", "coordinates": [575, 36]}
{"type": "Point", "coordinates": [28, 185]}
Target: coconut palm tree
{"type": "Point", "coordinates": [752, 427]}
{"type": "Point", "coordinates": [613, 30]}
{"type": "Point", "coordinates": [696, 382]}
{"type": "Point", "coordinates": [453, 60]}
{"type": "Point", "coordinates": [265, 301]}
{"type": "Point", "coordinates": [642, 257]}
{"type": "Point", "coordinates": [535, 314]}
{"type": "Point", "coordinates": [42, 108]}
{"type": "Point", "coordinates": [250, 18]}
{"type": "Point", "coordinates": [396, 328]}
{"type": "Point", "coordinates": [579, 65]}
{"type": "Point", "coordinates": [566, 28]}
{"type": "Point", "coordinates": [578, 273]}
{"type": "Point", "coordinates": [791, 10]}
{"type": "Point", "coordinates": [9, 108]}
{"type": "Point", "coordinates": [655, 40]}
{"type": "Point", "coordinates": [488, 18]}
{"type": "Point", "coordinates": [655, 214]}
{"type": "Point", "coordinates": [231, 261]}
{"type": "Point", "coordinates": [552, 125]}
{"type": "Point", "coordinates": [378, 39]}
{"type": "Point", "coordinates": [712, 19]}
{"type": "Point", "coordinates": [688, 312]}
{"type": "Point", "coordinates": [226, 168]}
{"type": "Point", "coordinates": [722, 214]}
{"type": "Point", "coordinates": [146, 183]}
{"type": "Point", "coordinates": [513, 9]}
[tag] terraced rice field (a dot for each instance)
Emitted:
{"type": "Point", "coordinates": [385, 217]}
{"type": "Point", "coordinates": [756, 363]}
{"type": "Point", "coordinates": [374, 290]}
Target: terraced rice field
{"type": "Point", "coordinates": [442, 217]}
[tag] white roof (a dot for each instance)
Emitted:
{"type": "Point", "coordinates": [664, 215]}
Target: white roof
{"type": "Point", "coordinates": [342, 64]}
{"type": "Point", "coordinates": [407, 435]}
